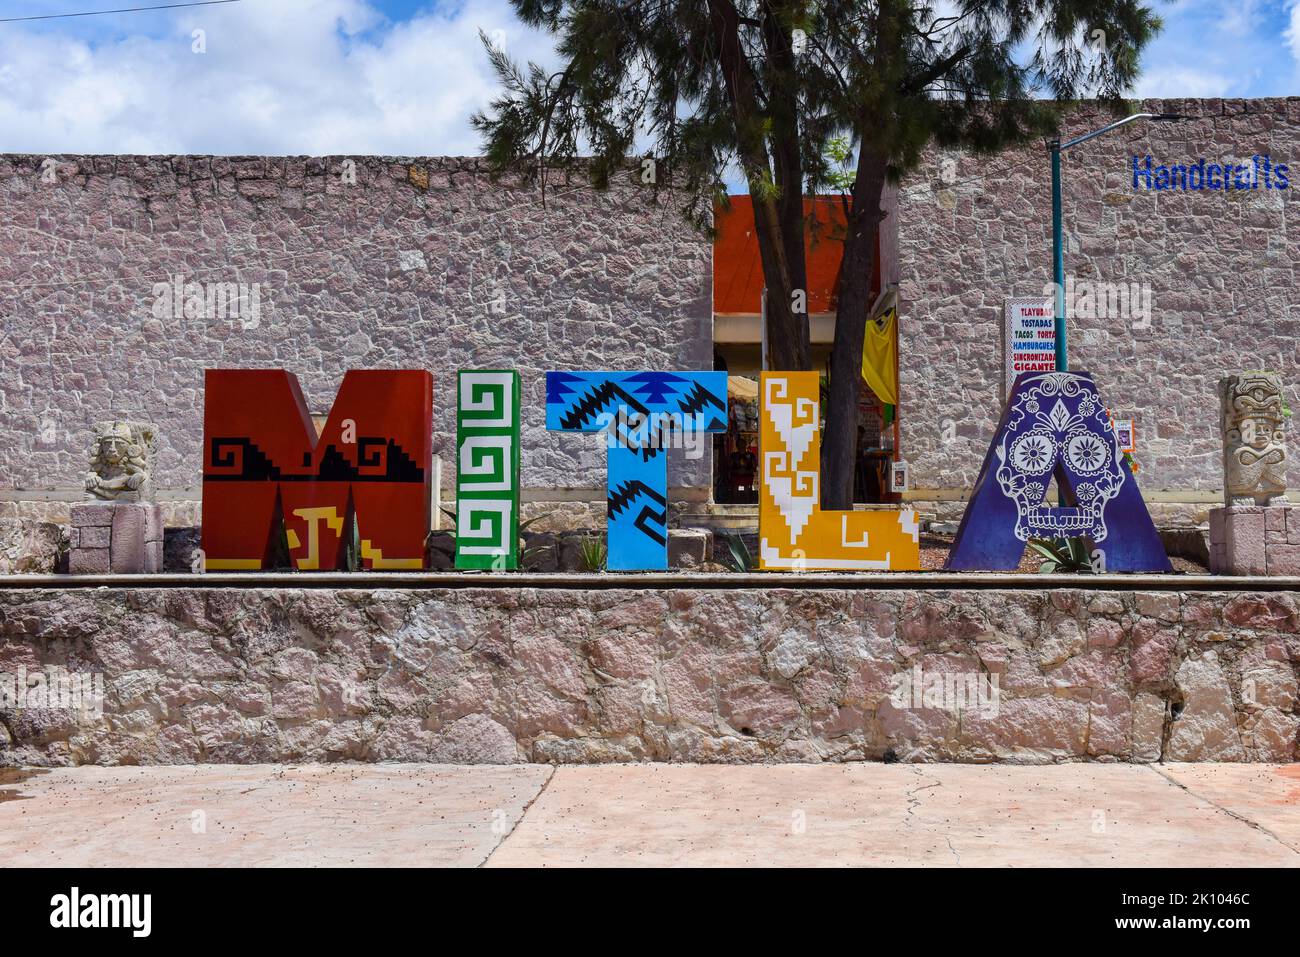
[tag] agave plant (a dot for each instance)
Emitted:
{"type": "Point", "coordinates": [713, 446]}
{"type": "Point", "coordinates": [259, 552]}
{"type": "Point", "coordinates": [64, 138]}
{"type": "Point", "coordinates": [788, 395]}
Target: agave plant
{"type": "Point", "coordinates": [1067, 556]}
{"type": "Point", "coordinates": [592, 553]}
{"type": "Point", "coordinates": [525, 553]}
{"type": "Point", "coordinates": [737, 557]}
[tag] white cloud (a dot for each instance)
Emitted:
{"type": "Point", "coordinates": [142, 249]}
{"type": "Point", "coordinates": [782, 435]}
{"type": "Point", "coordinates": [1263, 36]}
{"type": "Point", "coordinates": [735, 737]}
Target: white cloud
{"type": "Point", "coordinates": [1240, 17]}
{"type": "Point", "coordinates": [1292, 33]}
{"type": "Point", "coordinates": [1182, 82]}
{"type": "Point", "coordinates": [293, 76]}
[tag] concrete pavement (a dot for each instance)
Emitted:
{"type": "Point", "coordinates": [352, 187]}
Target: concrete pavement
{"type": "Point", "coordinates": [1190, 815]}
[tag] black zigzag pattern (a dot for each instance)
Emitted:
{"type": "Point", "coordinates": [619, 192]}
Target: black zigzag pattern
{"type": "Point", "coordinates": [255, 465]}
{"type": "Point", "coordinates": [651, 523]}
{"type": "Point", "coordinates": [623, 496]}
{"type": "Point", "coordinates": [587, 407]}
{"type": "Point", "coordinates": [698, 399]}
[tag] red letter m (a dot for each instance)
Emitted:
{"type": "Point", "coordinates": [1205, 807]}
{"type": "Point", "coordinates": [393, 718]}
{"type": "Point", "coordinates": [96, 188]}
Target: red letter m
{"type": "Point", "coordinates": [262, 462]}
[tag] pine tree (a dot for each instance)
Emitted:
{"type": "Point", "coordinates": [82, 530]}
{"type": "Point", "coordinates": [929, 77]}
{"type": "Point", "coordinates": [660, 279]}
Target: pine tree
{"type": "Point", "coordinates": [765, 87]}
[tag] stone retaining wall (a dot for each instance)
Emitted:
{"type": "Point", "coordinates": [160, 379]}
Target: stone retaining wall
{"type": "Point", "coordinates": [576, 675]}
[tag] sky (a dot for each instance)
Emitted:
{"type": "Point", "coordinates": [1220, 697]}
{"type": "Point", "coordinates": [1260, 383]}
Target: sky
{"type": "Point", "coordinates": [403, 76]}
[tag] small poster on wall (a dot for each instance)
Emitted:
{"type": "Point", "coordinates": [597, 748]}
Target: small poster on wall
{"type": "Point", "coordinates": [1124, 435]}
{"type": "Point", "coordinates": [1029, 337]}
{"type": "Point", "coordinates": [898, 478]}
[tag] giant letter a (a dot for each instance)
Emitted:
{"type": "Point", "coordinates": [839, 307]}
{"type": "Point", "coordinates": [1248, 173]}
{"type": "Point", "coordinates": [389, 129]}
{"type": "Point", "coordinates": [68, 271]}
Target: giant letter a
{"type": "Point", "coordinates": [262, 458]}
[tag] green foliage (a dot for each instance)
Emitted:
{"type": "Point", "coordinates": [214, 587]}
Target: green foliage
{"type": "Point", "coordinates": [737, 557]}
{"type": "Point", "coordinates": [788, 88]}
{"type": "Point", "coordinates": [526, 555]}
{"type": "Point", "coordinates": [592, 553]}
{"type": "Point", "coordinates": [838, 155]}
{"type": "Point", "coordinates": [1066, 556]}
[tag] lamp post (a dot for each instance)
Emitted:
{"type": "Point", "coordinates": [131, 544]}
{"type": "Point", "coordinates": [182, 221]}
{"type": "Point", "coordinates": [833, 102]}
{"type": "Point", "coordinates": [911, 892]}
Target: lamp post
{"type": "Point", "coordinates": [1056, 147]}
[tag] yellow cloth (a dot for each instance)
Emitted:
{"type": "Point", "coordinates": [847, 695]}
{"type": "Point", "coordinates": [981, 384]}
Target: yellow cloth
{"type": "Point", "coordinates": [880, 355]}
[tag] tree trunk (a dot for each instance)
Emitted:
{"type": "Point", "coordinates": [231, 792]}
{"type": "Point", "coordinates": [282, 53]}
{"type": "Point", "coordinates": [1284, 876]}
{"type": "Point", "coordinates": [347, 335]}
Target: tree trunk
{"type": "Point", "coordinates": [787, 333]}
{"type": "Point", "coordinates": [840, 440]}
{"type": "Point", "coordinates": [783, 106]}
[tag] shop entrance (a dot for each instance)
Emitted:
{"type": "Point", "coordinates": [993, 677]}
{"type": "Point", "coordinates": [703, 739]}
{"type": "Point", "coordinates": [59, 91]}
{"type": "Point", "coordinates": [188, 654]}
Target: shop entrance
{"type": "Point", "coordinates": [737, 335]}
{"type": "Point", "coordinates": [736, 462]}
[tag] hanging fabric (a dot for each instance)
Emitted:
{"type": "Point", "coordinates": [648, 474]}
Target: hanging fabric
{"type": "Point", "coordinates": [880, 351]}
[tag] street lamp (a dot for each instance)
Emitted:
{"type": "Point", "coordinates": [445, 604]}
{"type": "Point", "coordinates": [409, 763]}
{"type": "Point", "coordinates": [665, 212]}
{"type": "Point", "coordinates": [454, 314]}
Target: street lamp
{"type": "Point", "coordinates": [1058, 251]}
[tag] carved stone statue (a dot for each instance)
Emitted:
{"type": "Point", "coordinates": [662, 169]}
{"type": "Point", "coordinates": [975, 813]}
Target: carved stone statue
{"type": "Point", "coordinates": [121, 460]}
{"type": "Point", "coordinates": [1254, 440]}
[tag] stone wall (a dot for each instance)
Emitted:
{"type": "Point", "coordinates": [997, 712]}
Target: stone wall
{"type": "Point", "coordinates": [1222, 269]}
{"type": "Point", "coordinates": [577, 675]}
{"type": "Point", "coordinates": [421, 263]}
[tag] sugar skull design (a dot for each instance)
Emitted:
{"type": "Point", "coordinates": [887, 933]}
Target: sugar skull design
{"type": "Point", "coordinates": [1054, 424]}
{"type": "Point", "coordinates": [1058, 421]}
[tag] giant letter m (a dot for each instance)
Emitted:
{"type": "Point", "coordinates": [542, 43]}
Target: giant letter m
{"type": "Point", "coordinates": [262, 462]}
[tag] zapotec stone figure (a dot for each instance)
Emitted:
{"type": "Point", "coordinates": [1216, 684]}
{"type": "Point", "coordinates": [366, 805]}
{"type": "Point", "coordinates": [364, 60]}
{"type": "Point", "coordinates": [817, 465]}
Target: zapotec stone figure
{"type": "Point", "coordinates": [1254, 439]}
{"type": "Point", "coordinates": [121, 461]}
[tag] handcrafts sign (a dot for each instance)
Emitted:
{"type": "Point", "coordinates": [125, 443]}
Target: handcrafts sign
{"type": "Point", "coordinates": [794, 531]}
{"type": "Point", "coordinates": [1029, 328]}
{"type": "Point", "coordinates": [1055, 425]}
{"type": "Point", "coordinates": [640, 412]}
{"type": "Point", "coordinates": [262, 462]}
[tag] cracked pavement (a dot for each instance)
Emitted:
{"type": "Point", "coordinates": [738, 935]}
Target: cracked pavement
{"type": "Point", "coordinates": [1077, 815]}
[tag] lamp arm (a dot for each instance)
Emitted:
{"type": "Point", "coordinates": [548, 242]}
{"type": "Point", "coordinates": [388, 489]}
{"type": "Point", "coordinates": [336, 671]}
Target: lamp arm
{"type": "Point", "coordinates": [1118, 123]}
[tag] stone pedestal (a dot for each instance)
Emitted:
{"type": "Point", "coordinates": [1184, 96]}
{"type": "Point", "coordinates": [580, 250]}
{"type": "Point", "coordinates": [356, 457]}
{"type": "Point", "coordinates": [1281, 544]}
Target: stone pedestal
{"type": "Point", "coordinates": [1255, 540]}
{"type": "Point", "coordinates": [122, 538]}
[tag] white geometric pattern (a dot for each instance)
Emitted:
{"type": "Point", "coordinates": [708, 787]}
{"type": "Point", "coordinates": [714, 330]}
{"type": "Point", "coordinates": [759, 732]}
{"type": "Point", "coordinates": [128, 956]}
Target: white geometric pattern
{"type": "Point", "coordinates": [484, 462]}
{"type": "Point", "coordinates": [473, 522]}
{"type": "Point", "coordinates": [495, 399]}
{"type": "Point", "coordinates": [796, 509]}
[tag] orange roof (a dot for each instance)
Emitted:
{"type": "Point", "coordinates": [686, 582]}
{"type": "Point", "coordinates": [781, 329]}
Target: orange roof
{"type": "Point", "coordinates": [738, 271]}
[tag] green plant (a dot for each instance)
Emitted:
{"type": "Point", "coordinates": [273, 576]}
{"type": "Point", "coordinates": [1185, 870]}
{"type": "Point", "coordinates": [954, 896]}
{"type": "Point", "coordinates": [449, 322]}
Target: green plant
{"type": "Point", "coordinates": [838, 155]}
{"type": "Point", "coordinates": [352, 547]}
{"type": "Point", "coordinates": [1067, 555]}
{"type": "Point", "coordinates": [737, 557]}
{"type": "Point", "coordinates": [525, 553]}
{"type": "Point", "coordinates": [592, 553]}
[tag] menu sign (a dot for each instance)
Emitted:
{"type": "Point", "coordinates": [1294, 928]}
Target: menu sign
{"type": "Point", "coordinates": [1029, 327]}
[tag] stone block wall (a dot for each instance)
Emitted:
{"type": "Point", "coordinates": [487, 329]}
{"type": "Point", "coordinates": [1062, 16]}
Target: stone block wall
{"type": "Point", "coordinates": [210, 674]}
{"type": "Point", "coordinates": [1222, 269]}
{"type": "Point", "coordinates": [1255, 540]}
{"type": "Point", "coordinates": [421, 262]}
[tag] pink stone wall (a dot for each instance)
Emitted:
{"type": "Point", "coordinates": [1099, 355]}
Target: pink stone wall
{"type": "Point", "coordinates": [566, 675]}
{"type": "Point", "coordinates": [418, 262]}
{"type": "Point", "coordinates": [1221, 268]}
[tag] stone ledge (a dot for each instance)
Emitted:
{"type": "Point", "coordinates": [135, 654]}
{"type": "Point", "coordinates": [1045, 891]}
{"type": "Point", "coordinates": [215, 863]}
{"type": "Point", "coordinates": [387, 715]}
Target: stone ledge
{"type": "Point", "coordinates": [1255, 540]}
{"type": "Point", "coordinates": [933, 581]}
{"type": "Point", "coordinates": [566, 675]}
